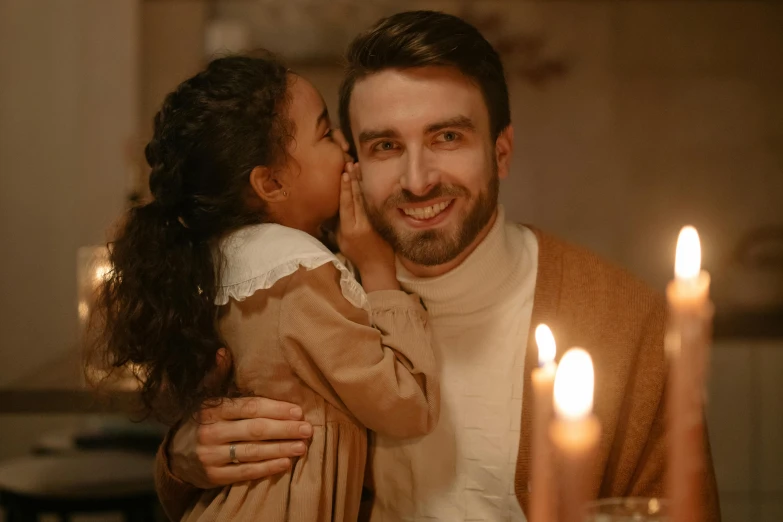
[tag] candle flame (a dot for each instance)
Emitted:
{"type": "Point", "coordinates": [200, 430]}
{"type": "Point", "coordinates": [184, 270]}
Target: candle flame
{"type": "Point", "coordinates": [546, 344]}
{"type": "Point", "coordinates": [687, 261]}
{"type": "Point", "coordinates": [574, 385]}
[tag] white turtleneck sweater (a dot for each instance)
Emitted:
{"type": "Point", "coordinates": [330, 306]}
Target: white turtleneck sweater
{"type": "Point", "coordinates": [479, 314]}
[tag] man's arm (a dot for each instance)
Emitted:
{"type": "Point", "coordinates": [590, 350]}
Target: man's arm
{"type": "Point", "coordinates": [175, 495]}
{"type": "Point", "coordinates": [196, 453]}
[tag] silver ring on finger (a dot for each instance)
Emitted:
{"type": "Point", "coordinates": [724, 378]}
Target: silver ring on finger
{"type": "Point", "coordinates": [232, 453]}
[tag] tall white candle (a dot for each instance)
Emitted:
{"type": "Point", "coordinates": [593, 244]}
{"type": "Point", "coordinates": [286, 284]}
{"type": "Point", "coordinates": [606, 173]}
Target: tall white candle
{"type": "Point", "coordinates": [687, 346]}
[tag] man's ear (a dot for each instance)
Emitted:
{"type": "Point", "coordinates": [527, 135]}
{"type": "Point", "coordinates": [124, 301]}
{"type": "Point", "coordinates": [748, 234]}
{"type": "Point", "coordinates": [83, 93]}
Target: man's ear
{"type": "Point", "coordinates": [504, 146]}
{"type": "Point", "coordinates": [267, 185]}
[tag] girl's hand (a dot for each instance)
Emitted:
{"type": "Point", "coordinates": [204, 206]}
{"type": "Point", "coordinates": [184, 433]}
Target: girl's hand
{"type": "Point", "coordinates": [359, 242]}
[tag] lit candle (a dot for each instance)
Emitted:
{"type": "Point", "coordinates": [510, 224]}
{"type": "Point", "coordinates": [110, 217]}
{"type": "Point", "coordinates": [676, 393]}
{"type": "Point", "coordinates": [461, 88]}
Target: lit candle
{"type": "Point", "coordinates": [542, 496]}
{"type": "Point", "coordinates": [575, 431]}
{"type": "Point", "coordinates": [687, 347]}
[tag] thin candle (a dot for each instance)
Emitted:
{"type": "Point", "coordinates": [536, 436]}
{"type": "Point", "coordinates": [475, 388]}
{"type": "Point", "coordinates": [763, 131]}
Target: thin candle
{"type": "Point", "coordinates": [542, 500]}
{"type": "Point", "coordinates": [687, 347]}
{"type": "Point", "coordinates": [575, 431]}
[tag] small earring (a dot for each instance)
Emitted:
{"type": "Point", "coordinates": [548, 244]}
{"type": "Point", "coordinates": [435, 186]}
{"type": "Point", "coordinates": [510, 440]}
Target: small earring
{"type": "Point", "coordinates": [285, 193]}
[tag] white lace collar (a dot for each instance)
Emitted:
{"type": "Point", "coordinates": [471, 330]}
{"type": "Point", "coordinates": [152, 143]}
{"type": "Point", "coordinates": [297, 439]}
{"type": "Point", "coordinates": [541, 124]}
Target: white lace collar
{"type": "Point", "coordinates": [258, 256]}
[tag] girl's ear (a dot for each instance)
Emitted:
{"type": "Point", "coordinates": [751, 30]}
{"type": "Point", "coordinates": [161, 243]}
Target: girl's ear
{"type": "Point", "coordinates": [268, 185]}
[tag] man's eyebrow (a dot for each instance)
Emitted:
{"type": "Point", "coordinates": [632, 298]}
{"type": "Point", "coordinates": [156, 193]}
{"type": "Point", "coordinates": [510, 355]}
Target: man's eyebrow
{"type": "Point", "coordinates": [457, 122]}
{"type": "Point", "coordinates": [370, 135]}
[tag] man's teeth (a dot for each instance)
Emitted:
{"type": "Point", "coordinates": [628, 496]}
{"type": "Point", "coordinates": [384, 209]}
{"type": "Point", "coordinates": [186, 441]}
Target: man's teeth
{"type": "Point", "coordinates": [426, 212]}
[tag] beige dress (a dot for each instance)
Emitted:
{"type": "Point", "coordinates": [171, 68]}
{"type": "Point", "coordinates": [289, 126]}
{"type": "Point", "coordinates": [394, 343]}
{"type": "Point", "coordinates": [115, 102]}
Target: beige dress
{"type": "Point", "coordinates": [302, 330]}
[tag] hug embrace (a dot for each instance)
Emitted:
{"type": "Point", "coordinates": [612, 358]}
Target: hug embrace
{"type": "Point", "coordinates": [339, 323]}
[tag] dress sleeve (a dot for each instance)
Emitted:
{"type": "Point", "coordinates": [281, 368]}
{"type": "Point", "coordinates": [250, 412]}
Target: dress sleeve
{"type": "Point", "coordinates": [380, 366]}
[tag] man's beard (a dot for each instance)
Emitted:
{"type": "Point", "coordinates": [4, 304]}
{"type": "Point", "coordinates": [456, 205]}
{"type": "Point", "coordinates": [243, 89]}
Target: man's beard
{"type": "Point", "coordinates": [436, 247]}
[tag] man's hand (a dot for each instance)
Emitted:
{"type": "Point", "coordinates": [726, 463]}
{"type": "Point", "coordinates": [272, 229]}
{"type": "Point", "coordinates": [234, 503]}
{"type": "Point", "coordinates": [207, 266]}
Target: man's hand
{"type": "Point", "coordinates": [266, 434]}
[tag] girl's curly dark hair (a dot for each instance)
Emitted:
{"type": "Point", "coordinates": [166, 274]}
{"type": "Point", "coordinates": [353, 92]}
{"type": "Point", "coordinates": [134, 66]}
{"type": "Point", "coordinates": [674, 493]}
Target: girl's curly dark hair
{"type": "Point", "coordinates": [156, 311]}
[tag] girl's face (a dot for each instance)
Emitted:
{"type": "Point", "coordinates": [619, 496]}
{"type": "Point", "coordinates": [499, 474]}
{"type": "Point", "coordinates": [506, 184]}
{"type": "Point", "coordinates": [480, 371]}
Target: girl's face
{"type": "Point", "coordinates": [311, 176]}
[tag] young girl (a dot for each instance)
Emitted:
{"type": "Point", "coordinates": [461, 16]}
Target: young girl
{"type": "Point", "coordinates": [245, 171]}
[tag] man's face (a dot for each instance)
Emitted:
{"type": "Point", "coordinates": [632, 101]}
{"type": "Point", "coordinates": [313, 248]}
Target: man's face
{"type": "Point", "coordinates": [430, 168]}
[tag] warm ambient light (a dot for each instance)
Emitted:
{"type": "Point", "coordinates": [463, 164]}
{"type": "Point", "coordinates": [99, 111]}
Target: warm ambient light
{"type": "Point", "coordinates": [102, 273]}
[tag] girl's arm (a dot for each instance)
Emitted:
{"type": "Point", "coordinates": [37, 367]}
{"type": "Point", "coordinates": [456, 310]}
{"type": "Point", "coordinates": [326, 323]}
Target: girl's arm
{"type": "Point", "coordinates": [381, 366]}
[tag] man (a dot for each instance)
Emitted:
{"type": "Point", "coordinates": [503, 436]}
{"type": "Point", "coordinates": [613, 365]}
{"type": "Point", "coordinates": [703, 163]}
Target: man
{"type": "Point", "coordinates": [425, 108]}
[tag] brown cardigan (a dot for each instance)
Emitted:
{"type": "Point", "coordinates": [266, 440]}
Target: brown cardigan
{"type": "Point", "coordinates": [589, 303]}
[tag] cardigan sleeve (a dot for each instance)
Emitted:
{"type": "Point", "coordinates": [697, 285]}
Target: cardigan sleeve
{"type": "Point", "coordinates": [175, 495]}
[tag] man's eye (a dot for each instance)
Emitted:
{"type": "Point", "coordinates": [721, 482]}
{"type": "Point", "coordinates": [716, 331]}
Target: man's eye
{"type": "Point", "coordinates": [384, 145]}
{"type": "Point", "coordinates": [448, 136]}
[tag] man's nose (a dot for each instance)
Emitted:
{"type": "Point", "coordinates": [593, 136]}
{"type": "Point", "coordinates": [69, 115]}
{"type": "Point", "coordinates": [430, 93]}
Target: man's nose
{"type": "Point", "coordinates": [419, 176]}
